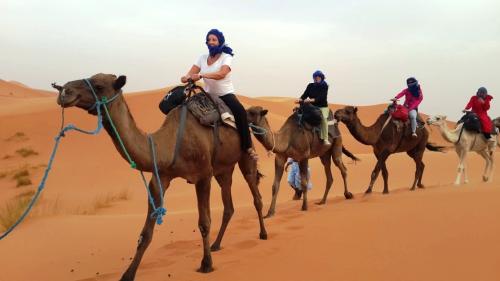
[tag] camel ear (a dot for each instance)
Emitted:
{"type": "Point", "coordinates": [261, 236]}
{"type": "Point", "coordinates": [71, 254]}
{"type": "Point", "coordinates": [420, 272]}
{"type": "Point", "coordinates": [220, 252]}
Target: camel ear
{"type": "Point", "coordinates": [120, 82]}
{"type": "Point", "coordinates": [263, 112]}
{"type": "Point", "coordinates": [355, 110]}
{"type": "Point", "coordinates": [444, 117]}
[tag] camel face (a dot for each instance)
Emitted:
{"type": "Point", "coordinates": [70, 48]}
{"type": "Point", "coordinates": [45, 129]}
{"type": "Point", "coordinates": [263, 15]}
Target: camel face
{"type": "Point", "coordinates": [346, 114]}
{"type": "Point", "coordinates": [256, 115]}
{"type": "Point", "coordinates": [78, 93]}
{"type": "Point", "coordinates": [436, 120]}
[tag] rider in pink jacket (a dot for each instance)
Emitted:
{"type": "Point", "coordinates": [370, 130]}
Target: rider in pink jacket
{"type": "Point", "coordinates": [413, 97]}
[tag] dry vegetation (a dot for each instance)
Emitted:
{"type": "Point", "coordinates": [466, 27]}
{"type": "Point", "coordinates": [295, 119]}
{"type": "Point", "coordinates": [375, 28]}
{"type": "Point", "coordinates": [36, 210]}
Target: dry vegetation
{"type": "Point", "coordinates": [26, 152]}
{"type": "Point", "coordinates": [13, 209]}
{"type": "Point", "coordinates": [103, 201]}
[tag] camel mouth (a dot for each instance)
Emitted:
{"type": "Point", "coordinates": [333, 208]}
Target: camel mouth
{"type": "Point", "coordinates": [68, 101]}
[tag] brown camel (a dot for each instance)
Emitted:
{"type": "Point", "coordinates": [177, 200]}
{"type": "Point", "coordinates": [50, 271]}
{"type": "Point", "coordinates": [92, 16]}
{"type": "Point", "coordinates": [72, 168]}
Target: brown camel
{"type": "Point", "coordinates": [195, 162]}
{"type": "Point", "coordinates": [388, 138]}
{"type": "Point", "coordinates": [301, 144]}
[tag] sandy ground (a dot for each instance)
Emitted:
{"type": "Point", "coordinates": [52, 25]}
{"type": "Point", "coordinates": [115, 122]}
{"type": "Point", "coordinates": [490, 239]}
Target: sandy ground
{"type": "Point", "coordinates": [441, 232]}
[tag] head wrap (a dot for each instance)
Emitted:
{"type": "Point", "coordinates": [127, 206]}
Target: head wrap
{"type": "Point", "coordinates": [222, 47]}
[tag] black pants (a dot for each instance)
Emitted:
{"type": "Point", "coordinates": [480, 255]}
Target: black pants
{"type": "Point", "coordinates": [240, 116]}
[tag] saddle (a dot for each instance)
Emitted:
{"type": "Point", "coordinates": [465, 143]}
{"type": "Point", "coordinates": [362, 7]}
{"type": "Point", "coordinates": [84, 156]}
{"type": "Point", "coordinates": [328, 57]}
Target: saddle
{"type": "Point", "coordinates": [399, 115]}
{"type": "Point", "coordinates": [309, 117]}
{"type": "Point", "coordinates": [473, 124]}
{"type": "Point", "coordinates": [207, 108]}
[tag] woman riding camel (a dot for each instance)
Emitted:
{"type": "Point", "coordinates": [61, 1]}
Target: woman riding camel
{"type": "Point", "coordinates": [413, 97]}
{"type": "Point", "coordinates": [480, 104]}
{"type": "Point", "coordinates": [215, 70]}
{"type": "Point", "coordinates": [316, 93]}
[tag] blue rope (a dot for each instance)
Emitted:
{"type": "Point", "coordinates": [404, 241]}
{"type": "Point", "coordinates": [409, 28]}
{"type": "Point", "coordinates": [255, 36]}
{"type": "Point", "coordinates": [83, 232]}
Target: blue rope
{"type": "Point", "coordinates": [69, 127]}
{"type": "Point", "coordinates": [157, 212]}
{"type": "Point", "coordinates": [160, 211]}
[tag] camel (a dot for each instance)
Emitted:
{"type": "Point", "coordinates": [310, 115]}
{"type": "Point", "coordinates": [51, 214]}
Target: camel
{"type": "Point", "coordinates": [465, 141]}
{"type": "Point", "coordinates": [301, 144]}
{"type": "Point", "coordinates": [195, 161]}
{"type": "Point", "coordinates": [496, 122]}
{"type": "Point", "coordinates": [387, 138]}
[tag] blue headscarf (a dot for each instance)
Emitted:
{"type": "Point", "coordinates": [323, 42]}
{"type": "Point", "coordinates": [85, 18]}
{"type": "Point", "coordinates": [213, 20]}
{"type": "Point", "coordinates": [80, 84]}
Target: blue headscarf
{"type": "Point", "coordinates": [413, 86]}
{"type": "Point", "coordinates": [319, 74]}
{"type": "Point", "coordinates": [222, 48]}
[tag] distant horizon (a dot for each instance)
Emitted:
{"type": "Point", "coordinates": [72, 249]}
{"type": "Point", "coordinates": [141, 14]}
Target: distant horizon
{"type": "Point", "coordinates": [366, 49]}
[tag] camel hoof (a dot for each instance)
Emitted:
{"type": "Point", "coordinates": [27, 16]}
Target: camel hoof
{"type": "Point", "coordinates": [368, 191]}
{"type": "Point", "coordinates": [322, 202]}
{"type": "Point", "coordinates": [421, 186]}
{"type": "Point", "coordinates": [385, 192]}
{"type": "Point", "coordinates": [215, 248]}
{"type": "Point", "coordinates": [412, 188]}
{"type": "Point", "coordinates": [456, 184]}
{"type": "Point", "coordinates": [263, 236]}
{"type": "Point", "coordinates": [348, 195]}
{"type": "Point", "coordinates": [485, 179]}
{"type": "Point", "coordinates": [206, 267]}
{"type": "Point", "coordinates": [304, 208]}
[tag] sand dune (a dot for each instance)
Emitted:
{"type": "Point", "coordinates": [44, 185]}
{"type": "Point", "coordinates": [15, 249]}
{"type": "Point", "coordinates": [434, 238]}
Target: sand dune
{"type": "Point", "coordinates": [438, 233]}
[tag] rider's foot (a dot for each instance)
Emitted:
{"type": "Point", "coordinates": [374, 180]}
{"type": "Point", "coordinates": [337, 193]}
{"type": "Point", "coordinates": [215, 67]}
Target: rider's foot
{"type": "Point", "coordinates": [414, 135]}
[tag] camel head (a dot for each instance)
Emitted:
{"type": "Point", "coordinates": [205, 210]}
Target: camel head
{"type": "Point", "coordinates": [436, 120]}
{"type": "Point", "coordinates": [346, 114]}
{"type": "Point", "coordinates": [256, 115]}
{"type": "Point", "coordinates": [78, 93]}
{"type": "Point", "coordinates": [497, 122]}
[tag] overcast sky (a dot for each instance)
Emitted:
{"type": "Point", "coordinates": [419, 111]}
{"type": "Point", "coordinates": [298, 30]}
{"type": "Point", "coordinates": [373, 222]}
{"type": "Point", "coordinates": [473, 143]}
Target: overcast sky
{"type": "Point", "coordinates": [365, 48]}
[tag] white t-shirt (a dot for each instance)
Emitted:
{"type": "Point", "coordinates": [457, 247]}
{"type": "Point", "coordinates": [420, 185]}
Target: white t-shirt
{"type": "Point", "coordinates": [217, 87]}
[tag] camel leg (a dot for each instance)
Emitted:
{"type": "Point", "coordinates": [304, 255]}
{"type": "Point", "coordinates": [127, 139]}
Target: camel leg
{"type": "Point", "coordinates": [279, 166]}
{"type": "Point", "coordinates": [337, 160]}
{"type": "Point", "coordinates": [146, 233]}
{"type": "Point", "coordinates": [203, 196]}
{"type": "Point", "coordinates": [326, 161]}
{"type": "Point", "coordinates": [225, 180]}
{"type": "Point", "coordinates": [376, 170]}
{"type": "Point", "coordinates": [417, 155]}
{"type": "Point", "coordinates": [248, 168]}
{"type": "Point", "coordinates": [303, 165]}
{"type": "Point", "coordinates": [385, 176]}
{"type": "Point", "coordinates": [487, 169]}
{"type": "Point", "coordinates": [461, 155]}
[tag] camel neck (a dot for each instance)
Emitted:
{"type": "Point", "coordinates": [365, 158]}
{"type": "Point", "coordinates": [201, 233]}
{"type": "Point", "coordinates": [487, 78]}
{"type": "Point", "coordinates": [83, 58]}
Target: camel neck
{"type": "Point", "coordinates": [272, 140]}
{"type": "Point", "coordinates": [367, 135]}
{"type": "Point", "coordinates": [134, 140]}
{"type": "Point", "coordinates": [449, 136]}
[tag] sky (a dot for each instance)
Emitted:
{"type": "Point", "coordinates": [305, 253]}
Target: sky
{"type": "Point", "coordinates": [366, 49]}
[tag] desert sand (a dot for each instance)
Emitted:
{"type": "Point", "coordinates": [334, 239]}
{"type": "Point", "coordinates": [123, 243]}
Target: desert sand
{"type": "Point", "coordinates": [86, 225]}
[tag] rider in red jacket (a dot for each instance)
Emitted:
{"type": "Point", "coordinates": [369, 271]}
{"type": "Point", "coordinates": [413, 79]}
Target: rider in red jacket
{"type": "Point", "coordinates": [480, 103]}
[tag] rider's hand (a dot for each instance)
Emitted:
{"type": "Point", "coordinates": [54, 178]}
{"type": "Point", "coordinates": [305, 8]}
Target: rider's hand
{"type": "Point", "coordinates": [299, 101]}
{"type": "Point", "coordinates": [394, 99]}
{"type": "Point", "coordinates": [464, 111]}
{"type": "Point", "coordinates": [308, 100]}
{"type": "Point", "coordinates": [184, 79]}
{"type": "Point", "coordinates": [195, 76]}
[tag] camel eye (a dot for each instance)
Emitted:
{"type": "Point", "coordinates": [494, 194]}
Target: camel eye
{"type": "Point", "coordinates": [99, 87]}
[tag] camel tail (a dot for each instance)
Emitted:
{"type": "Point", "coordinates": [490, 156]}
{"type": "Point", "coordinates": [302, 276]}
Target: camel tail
{"type": "Point", "coordinates": [349, 154]}
{"type": "Point", "coordinates": [436, 148]}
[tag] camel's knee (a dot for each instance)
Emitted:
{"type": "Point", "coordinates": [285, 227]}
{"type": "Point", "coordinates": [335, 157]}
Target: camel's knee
{"type": "Point", "coordinates": [204, 229]}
